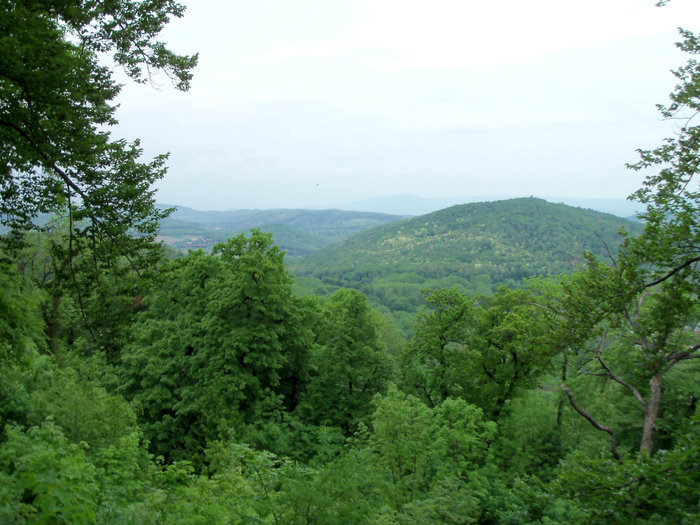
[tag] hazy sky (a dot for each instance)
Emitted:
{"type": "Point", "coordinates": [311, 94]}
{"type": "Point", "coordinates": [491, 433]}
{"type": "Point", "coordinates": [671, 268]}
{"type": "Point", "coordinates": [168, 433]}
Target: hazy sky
{"type": "Point", "coordinates": [320, 102]}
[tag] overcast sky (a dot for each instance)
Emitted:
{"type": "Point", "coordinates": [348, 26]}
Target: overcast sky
{"type": "Point", "coordinates": [320, 102]}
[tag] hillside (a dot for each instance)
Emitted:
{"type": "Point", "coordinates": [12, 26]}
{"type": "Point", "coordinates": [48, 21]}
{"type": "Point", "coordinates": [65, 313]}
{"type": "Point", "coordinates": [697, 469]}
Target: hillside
{"type": "Point", "coordinates": [414, 205]}
{"type": "Point", "coordinates": [476, 247]}
{"type": "Point", "coordinates": [297, 231]}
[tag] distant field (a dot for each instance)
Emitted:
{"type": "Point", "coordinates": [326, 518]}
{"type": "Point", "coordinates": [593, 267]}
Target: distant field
{"type": "Point", "coordinates": [168, 239]}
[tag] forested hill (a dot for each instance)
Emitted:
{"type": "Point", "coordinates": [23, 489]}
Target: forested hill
{"type": "Point", "coordinates": [296, 231]}
{"type": "Point", "coordinates": [476, 247]}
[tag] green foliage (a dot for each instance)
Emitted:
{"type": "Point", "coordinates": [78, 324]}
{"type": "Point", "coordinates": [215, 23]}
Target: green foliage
{"type": "Point", "coordinates": [631, 325]}
{"type": "Point", "coordinates": [21, 325]}
{"type": "Point", "coordinates": [59, 157]}
{"type": "Point", "coordinates": [56, 96]}
{"type": "Point", "coordinates": [430, 458]}
{"type": "Point", "coordinates": [45, 479]}
{"type": "Point", "coordinates": [181, 496]}
{"type": "Point", "coordinates": [633, 333]}
{"type": "Point", "coordinates": [264, 407]}
{"type": "Point", "coordinates": [126, 473]}
{"type": "Point", "coordinates": [434, 361]}
{"type": "Point", "coordinates": [83, 410]}
{"type": "Point", "coordinates": [482, 350]}
{"type": "Point", "coordinates": [348, 366]}
{"type": "Point", "coordinates": [640, 489]}
{"type": "Point", "coordinates": [40, 285]}
{"type": "Point", "coordinates": [212, 347]}
{"type": "Point", "coordinates": [474, 247]}
{"type": "Point", "coordinates": [342, 490]}
{"type": "Point", "coordinates": [400, 441]}
{"type": "Point", "coordinates": [668, 250]}
{"type": "Point", "coordinates": [14, 397]}
{"type": "Point", "coordinates": [530, 437]}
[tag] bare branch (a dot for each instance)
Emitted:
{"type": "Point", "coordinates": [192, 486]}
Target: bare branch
{"type": "Point", "coordinates": [592, 421]}
{"type": "Point", "coordinates": [674, 359]}
{"type": "Point", "coordinates": [607, 249]}
{"type": "Point", "coordinates": [673, 272]}
{"type": "Point", "coordinates": [595, 374]}
{"type": "Point", "coordinates": [637, 308]}
{"type": "Point", "coordinates": [617, 379]}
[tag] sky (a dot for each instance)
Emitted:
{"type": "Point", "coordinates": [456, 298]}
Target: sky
{"type": "Point", "coordinates": [322, 103]}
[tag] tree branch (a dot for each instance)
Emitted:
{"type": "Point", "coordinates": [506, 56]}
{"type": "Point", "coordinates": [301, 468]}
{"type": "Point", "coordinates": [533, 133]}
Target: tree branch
{"type": "Point", "coordinates": [68, 181]}
{"type": "Point", "coordinates": [619, 380]}
{"type": "Point", "coordinates": [680, 356]}
{"type": "Point", "coordinates": [632, 320]}
{"type": "Point", "coordinates": [489, 374]}
{"type": "Point", "coordinates": [607, 249]}
{"type": "Point", "coordinates": [592, 421]}
{"type": "Point", "coordinates": [673, 272]}
{"type": "Point", "coordinates": [48, 162]}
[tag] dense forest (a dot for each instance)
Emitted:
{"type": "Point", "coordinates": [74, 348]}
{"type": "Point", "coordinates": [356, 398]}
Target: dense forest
{"type": "Point", "coordinates": [137, 386]}
{"type": "Point", "coordinates": [476, 248]}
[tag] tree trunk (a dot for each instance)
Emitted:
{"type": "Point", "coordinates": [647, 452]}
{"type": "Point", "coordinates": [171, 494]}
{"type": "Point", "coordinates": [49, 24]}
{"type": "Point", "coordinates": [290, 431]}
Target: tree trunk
{"type": "Point", "coordinates": [650, 414]}
{"type": "Point", "coordinates": [560, 406]}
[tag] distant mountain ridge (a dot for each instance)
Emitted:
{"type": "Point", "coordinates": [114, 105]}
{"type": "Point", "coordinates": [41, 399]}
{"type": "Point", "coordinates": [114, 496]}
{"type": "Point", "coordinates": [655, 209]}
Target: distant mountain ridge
{"type": "Point", "coordinates": [415, 205]}
{"type": "Point", "coordinates": [476, 247]}
{"type": "Point", "coordinates": [296, 231]}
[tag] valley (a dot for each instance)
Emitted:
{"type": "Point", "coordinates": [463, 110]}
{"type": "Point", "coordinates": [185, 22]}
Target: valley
{"type": "Point", "coordinates": [475, 247]}
{"type": "Point", "coordinates": [297, 232]}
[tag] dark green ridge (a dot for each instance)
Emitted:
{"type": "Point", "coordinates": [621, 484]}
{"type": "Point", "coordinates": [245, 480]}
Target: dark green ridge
{"type": "Point", "coordinates": [477, 247]}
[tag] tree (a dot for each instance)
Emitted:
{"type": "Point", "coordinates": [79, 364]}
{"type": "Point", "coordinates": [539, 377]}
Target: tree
{"type": "Point", "coordinates": [57, 101]}
{"type": "Point", "coordinates": [433, 361]}
{"type": "Point", "coordinates": [430, 457]}
{"type": "Point", "coordinates": [665, 260]}
{"type": "Point", "coordinates": [211, 346]}
{"type": "Point", "coordinates": [57, 97]}
{"type": "Point", "coordinates": [657, 489]}
{"type": "Point", "coordinates": [348, 366]}
{"type": "Point", "coordinates": [633, 336]}
{"type": "Point", "coordinates": [45, 478]}
{"type": "Point", "coordinates": [20, 325]}
{"type": "Point", "coordinates": [478, 349]}
{"type": "Point", "coordinates": [644, 304]}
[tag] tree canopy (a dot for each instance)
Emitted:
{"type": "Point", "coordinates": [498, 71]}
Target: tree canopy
{"type": "Point", "coordinates": [58, 97]}
{"type": "Point", "coordinates": [57, 101]}
{"type": "Point", "coordinates": [218, 395]}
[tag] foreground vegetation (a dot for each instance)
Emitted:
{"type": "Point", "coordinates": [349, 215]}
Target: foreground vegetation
{"type": "Point", "coordinates": [137, 389]}
{"type": "Point", "coordinates": [221, 396]}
